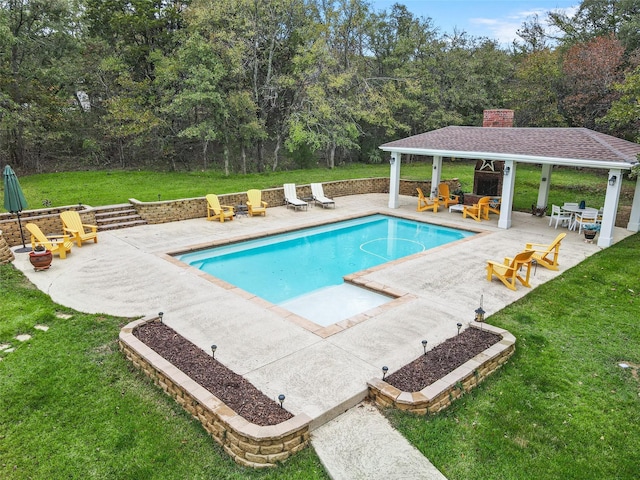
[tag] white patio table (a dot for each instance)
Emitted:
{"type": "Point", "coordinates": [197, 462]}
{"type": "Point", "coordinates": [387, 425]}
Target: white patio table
{"type": "Point", "coordinates": [576, 210]}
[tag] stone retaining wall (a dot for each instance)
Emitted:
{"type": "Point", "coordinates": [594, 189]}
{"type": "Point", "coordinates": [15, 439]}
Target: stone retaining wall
{"type": "Point", "coordinates": [48, 219]}
{"type": "Point", "coordinates": [443, 392]}
{"type": "Point", "coordinates": [6, 255]}
{"type": "Point", "coordinates": [165, 211]}
{"type": "Point", "coordinates": [184, 209]}
{"type": "Point", "coordinates": [248, 444]}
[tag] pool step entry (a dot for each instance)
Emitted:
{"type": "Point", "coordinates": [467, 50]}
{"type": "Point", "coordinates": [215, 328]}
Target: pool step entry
{"type": "Point", "coordinates": [335, 303]}
{"type": "Point", "coordinates": [114, 217]}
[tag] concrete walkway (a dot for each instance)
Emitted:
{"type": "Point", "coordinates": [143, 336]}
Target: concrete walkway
{"type": "Point", "coordinates": [361, 445]}
{"type": "Point", "coordinates": [128, 273]}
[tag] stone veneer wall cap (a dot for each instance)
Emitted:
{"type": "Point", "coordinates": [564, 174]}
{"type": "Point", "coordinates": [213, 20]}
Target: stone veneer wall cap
{"type": "Point", "coordinates": [405, 398]}
{"type": "Point", "coordinates": [229, 416]}
{"type": "Point", "coordinates": [418, 397]}
{"type": "Point", "coordinates": [435, 389]}
{"type": "Point", "coordinates": [457, 375]}
{"type": "Point", "coordinates": [275, 432]}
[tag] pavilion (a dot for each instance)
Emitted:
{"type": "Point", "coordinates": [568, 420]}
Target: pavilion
{"type": "Point", "coordinates": [573, 147]}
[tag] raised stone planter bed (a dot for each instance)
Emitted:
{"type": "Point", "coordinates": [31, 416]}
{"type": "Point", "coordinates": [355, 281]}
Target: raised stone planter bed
{"type": "Point", "coordinates": [443, 392]}
{"type": "Point", "coordinates": [248, 444]}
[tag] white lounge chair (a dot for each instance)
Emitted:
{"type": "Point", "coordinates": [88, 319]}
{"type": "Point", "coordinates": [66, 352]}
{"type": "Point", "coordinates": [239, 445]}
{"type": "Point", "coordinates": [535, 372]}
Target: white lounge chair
{"type": "Point", "coordinates": [317, 193]}
{"type": "Point", "coordinates": [291, 197]}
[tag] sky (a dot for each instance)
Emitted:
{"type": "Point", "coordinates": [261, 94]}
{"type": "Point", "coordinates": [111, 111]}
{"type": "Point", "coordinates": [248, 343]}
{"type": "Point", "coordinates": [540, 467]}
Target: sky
{"type": "Point", "coordinates": [497, 19]}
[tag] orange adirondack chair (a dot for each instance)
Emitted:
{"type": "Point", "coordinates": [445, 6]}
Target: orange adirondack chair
{"type": "Point", "coordinates": [255, 205]}
{"type": "Point", "coordinates": [445, 197]}
{"type": "Point", "coordinates": [215, 211]}
{"type": "Point", "coordinates": [507, 272]}
{"type": "Point", "coordinates": [72, 223]}
{"type": "Point", "coordinates": [56, 244]}
{"type": "Point", "coordinates": [426, 203]}
{"type": "Point", "coordinates": [477, 211]}
{"type": "Point", "coordinates": [546, 255]}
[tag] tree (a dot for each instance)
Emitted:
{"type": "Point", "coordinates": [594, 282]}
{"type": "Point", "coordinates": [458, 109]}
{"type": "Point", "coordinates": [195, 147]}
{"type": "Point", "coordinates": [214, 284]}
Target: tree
{"type": "Point", "coordinates": [590, 71]}
{"type": "Point", "coordinates": [198, 102]}
{"type": "Point", "coordinates": [264, 37]}
{"type": "Point", "coordinates": [37, 80]}
{"type": "Point", "coordinates": [533, 35]}
{"type": "Point", "coordinates": [402, 75]}
{"type": "Point", "coordinates": [534, 92]}
{"type": "Point", "coordinates": [471, 73]}
{"type": "Point", "coordinates": [624, 115]}
{"type": "Point", "coordinates": [600, 18]}
{"type": "Point", "coordinates": [327, 117]}
{"type": "Point", "coordinates": [127, 40]}
{"type": "Point", "coordinates": [327, 111]}
{"type": "Point", "coordinates": [135, 29]}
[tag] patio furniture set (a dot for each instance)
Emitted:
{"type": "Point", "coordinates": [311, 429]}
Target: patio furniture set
{"type": "Point", "coordinates": [576, 216]}
{"type": "Point", "coordinates": [256, 206]}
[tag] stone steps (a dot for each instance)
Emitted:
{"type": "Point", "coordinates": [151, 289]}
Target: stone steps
{"type": "Point", "coordinates": [115, 217]}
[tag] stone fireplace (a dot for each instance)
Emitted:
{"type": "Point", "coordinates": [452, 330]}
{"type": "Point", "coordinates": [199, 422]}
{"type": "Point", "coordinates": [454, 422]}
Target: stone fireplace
{"type": "Point", "coordinates": [488, 174]}
{"type": "Point", "coordinates": [487, 178]}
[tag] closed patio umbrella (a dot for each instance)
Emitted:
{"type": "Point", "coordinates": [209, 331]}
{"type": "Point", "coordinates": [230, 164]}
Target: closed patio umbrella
{"type": "Point", "coordinates": [14, 200]}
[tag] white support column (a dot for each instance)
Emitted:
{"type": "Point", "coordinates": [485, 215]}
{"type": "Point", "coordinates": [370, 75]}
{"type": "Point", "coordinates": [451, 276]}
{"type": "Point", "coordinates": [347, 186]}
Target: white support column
{"type": "Point", "coordinates": [634, 218]}
{"type": "Point", "coordinates": [506, 204]}
{"type": "Point", "coordinates": [394, 180]}
{"type": "Point", "coordinates": [436, 175]}
{"type": "Point", "coordinates": [545, 183]}
{"type": "Point", "coordinates": [605, 239]}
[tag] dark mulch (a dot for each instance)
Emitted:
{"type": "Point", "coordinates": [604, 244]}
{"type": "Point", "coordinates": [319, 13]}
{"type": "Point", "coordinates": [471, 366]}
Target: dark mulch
{"type": "Point", "coordinates": [442, 360]}
{"type": "Point", "coordinates": [236, 392]}
{"type": "Point", "coordinates": [246, 400]}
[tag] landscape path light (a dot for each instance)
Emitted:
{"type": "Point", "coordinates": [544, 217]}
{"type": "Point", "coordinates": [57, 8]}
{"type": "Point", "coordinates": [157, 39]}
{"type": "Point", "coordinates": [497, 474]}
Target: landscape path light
{"type": "Point", "coordinates": [281, 399]}
{"type": "Point", "coordinates": [385, 369]}
{"type": "Point", "coordinates": [480, 312]}
{"type": "Point", "coordinates": [160, 314]}
{"type": "Point", "coordinates": [424, 346]}
{"type": "Point", "coordinates": [213, 350]}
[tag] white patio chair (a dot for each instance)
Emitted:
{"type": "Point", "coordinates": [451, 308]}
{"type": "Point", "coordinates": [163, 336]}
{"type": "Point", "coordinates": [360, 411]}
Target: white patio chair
{"type": "Point", "coordinates": [583, 218]}
{"type": "Point", "coordinates": [561, 217]}
{"type": "Point", "coordinates": [570, 208]}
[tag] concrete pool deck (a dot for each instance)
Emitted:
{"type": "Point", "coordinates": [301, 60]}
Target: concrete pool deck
{"type": "Point", "coordinates": [128, 273]}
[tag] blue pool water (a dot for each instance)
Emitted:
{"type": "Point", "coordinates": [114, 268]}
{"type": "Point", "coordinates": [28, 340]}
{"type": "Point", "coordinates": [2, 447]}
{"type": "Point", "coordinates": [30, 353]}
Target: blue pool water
{"type": "Point", "coordinates": [281, 267]}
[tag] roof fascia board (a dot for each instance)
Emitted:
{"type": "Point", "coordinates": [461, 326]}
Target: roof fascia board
{"type": "Point", "coordinates": [570, 162]}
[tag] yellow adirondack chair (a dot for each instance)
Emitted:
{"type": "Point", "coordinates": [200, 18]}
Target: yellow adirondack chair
{"type": "Point", "coordinates": [507, 272]}
{"type": "Point", "coordinates": [255, 205]}
{"type": "Point", "coordinates": [494, 205]}
{"type": "Point", "coordinates": [477, 211]}
{"type": "Point", "coordinates": [426, 203]}
{"type": "Point", "coordinates": [56, 244]}
{"type": "Point", "coordinates": [215, 211]}
{"type": "Point", "coordinates": [72, 223]}
{"type": "Point", "coordinates": [546, 255]}
{"type": "Point", "coordinates": [445, 197]}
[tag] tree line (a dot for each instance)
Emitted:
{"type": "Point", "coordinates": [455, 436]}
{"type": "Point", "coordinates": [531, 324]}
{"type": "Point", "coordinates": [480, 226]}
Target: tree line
{"type": "Point", "coordinates": [251, 85]}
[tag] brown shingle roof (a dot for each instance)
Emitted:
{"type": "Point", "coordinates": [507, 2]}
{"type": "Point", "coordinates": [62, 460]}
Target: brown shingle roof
{"type": "Point", "coordinates": [569, 143]}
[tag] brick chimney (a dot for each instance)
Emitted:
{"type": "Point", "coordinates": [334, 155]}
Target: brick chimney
{"type": "Point", "coordinates": [497, 118]}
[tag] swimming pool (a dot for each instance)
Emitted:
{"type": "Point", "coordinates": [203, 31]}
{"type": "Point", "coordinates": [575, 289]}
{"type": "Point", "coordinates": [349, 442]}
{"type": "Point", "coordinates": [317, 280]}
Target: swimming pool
{"type": "Point", "coordinates": [282, 267]}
